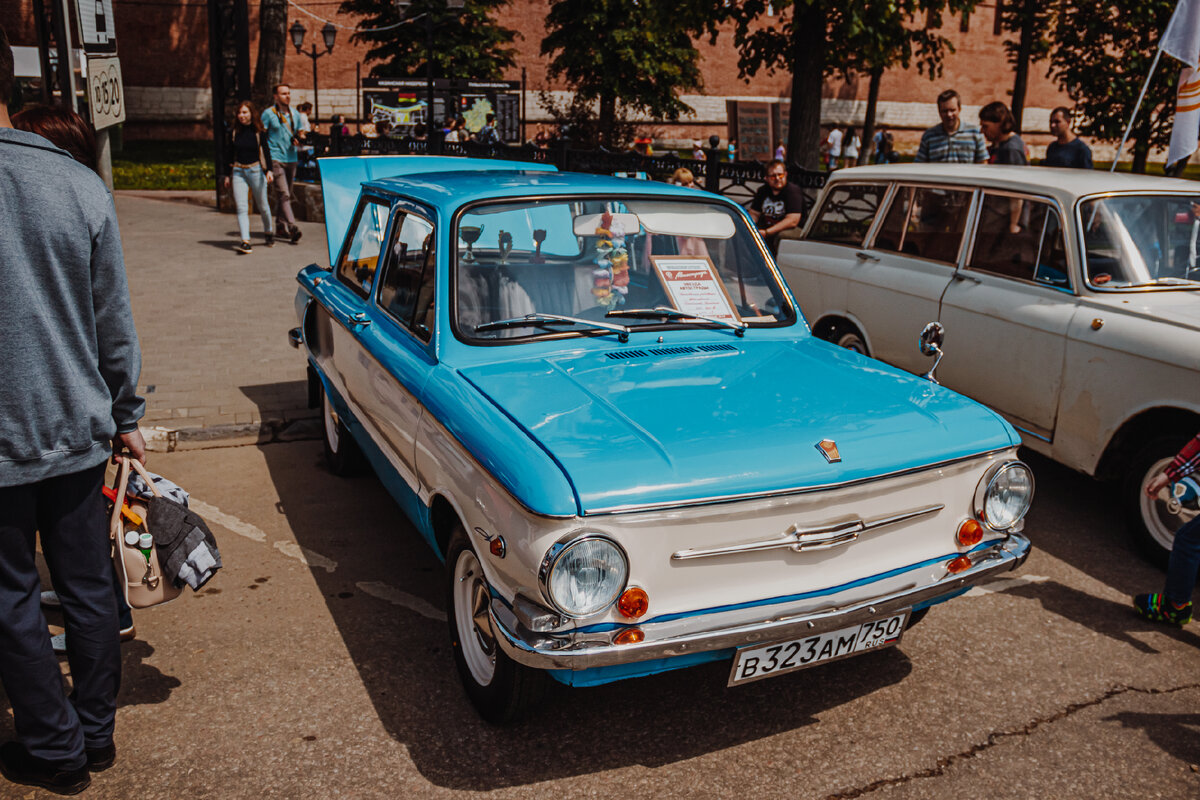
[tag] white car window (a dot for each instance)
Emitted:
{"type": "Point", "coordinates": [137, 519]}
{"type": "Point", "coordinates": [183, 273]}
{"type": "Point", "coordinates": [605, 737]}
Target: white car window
{"type": "Point", "coordinates": [925, 222]}
{"type": "Point", "coordinates": [1020, 238]}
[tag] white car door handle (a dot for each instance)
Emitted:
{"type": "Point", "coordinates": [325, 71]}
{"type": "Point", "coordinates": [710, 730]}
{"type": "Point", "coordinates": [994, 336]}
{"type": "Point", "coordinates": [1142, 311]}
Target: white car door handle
{"type": "Point", "coordinates": [958, 276]}
{"type": "Point", "coordinates": [863, 255]}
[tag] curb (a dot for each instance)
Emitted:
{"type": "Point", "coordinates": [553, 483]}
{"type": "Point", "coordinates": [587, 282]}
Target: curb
{"type": "Point", "coordinates": [169, 440]}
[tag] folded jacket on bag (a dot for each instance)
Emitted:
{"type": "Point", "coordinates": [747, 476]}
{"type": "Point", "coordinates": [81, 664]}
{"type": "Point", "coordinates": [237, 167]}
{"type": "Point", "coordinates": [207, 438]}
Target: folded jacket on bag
{"type": "Point", "coordinates": [138, 488]}
{"type": "Point", "coordinates": [186, 547]}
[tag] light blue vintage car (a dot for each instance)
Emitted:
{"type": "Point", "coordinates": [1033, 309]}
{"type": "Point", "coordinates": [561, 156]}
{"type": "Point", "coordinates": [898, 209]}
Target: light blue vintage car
{"type": "Point", "coordinates": [598, 402]}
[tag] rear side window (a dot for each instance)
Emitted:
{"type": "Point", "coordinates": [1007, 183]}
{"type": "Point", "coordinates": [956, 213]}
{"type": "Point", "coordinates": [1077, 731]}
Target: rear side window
{"type": "Point", "coordinates": [360, 256]}
{"type": "Point", "coordinates": [925, 222]}
{"type": "Point", "coordinates": [1020, 238]}
{"type": "Point", "coordinates": [847, 213]}
{"type": "Point", "coordinates": [406, 291]}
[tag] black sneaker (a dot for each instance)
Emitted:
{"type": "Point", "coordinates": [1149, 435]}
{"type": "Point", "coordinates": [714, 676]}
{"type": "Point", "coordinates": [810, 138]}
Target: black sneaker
{"type": "Point", "coordinates": [1157, 608]}
{"type": "Point", "coordinates": [294, 233]}
{"type": "Point", "coordinates": [100, 758]}
{"type": "Point", "coordinates": [270, 240]}
{"type": "Point", "coordinates": [19, 766]}
{"type": "Point", "coordinates": [244, 248]}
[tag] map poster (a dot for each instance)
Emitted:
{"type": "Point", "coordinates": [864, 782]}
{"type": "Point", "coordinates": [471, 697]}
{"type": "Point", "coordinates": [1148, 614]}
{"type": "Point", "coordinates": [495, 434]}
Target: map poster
{"type": "Point", "coordinates": [694, 286]}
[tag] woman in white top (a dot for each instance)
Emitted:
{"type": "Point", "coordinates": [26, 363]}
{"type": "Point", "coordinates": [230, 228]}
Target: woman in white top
{"type": "Point", "coordinates": [850, 147]}
{"type": "Point", "coordinates": [833, 152]}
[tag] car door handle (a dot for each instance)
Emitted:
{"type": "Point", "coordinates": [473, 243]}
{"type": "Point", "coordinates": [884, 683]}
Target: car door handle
{"type": "Point", "coordinates": [358, 318]}
{"type": "Point", "coordinates": [863, 255]}
{"type": "Point", "coordinates": [958, 276]}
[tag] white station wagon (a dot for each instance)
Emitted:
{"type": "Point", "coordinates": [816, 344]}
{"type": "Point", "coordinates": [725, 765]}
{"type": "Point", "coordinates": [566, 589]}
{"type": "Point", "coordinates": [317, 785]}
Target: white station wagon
{"type": "Point", "coordinates": [1070, 301]}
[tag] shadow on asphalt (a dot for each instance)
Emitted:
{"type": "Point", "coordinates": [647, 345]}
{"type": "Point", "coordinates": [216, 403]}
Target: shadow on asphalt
{"type": "Point", "coordinates": [403, 658]}
{"type": "Point", "coordinates": [1079, 521]}
{"type": "Point", "coordinates": [1175, 734]}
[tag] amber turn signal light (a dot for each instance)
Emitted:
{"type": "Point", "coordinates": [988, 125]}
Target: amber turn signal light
{"type": "Point", "coordinates": [629, 636]}
{"type": "Point", "coordinates": [959, 564]}
{"type": "Point", "coordinates": [496, 545]}
{"type": "Point", "coordinates": [633, 602]}
{"type": "Point", "coordinates": [970, 533]}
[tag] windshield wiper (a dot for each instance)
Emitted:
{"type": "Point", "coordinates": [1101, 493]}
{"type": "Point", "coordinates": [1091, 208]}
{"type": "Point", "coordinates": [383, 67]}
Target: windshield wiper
{"type": "Point", "coordinates": [662, 312]}
{"type": "Point", "coordinates": [554, 319]}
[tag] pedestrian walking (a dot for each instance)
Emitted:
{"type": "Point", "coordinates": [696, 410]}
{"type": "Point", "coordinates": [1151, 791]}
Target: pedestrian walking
{"type": "Point", "coordinates": [1004, 145]}
{"type": "Point", "coordinates": [282, 124]}
{"type": "Point", "coordinates": [850, 146]}
{"type": "Point", "coordinates": [885, 146]}
{"type": "Point", "coordinates": [487, 134]}
{"type": "Point", "coordinates": [833, 149]}
{"type": "Point", "coordinates": [732, 149]}
{"type": "Point", "coordinates": [1067, 149]}
{"type": "Point", "coordinates": [698, 153]}
{"type": "Point", "coordinates": [780, 150]}
{"type": "Point", "coordinates": [1173, 605]}
{"type": "Point", "coordinates": [66, 129]}
{"type": "Point", "coordinates": [777, 205]}
{"type": "Point", "coordinates": [951, 140]}
{"type": "Point", "coordinates": [68, 400]}
{"type": "Point", "coordinates": [248, 170]}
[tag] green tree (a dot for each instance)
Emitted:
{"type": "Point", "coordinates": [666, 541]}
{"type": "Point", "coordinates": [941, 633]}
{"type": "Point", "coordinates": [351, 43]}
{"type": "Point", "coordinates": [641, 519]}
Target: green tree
{"type": "Point", "coordinates": [625, 56]}
{"type": "Point", "coordinates": [819, 37]}
{"type": "Point", "coordinates": [1031, 22]}
{"type": "Point", "coordinates": [888, 38]}
{"type": "Point", "coordinates": [1101, 56]}
{"type": "Point", "coordinates": [467, 43]}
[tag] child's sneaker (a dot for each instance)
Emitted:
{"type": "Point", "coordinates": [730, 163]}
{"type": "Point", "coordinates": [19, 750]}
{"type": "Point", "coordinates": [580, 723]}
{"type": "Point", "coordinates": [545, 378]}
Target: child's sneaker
{"type": "Point", "coordinates": [1157, 608]}
{"type": "Point", "coordinates": [244, 248]}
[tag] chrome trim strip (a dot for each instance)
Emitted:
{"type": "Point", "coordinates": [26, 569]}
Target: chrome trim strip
{"type": "Point", "coordinates": [801, 539]}
{"type": "Point", "coordinates": [1028, 432]}
{"type": "Point", "coordinates": [733, 498]}
{"type": "Point", "coordinates": [547, 652]}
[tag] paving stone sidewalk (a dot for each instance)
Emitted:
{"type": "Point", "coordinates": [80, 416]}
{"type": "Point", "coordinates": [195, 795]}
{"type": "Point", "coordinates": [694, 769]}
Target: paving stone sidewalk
{"type": "Point", "coordinates": [216, 364]}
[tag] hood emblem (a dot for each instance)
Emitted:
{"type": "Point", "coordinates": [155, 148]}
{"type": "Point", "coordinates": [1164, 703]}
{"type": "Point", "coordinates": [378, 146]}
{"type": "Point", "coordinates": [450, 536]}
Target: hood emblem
{"type": "Point", "coordinates": [828, 448]}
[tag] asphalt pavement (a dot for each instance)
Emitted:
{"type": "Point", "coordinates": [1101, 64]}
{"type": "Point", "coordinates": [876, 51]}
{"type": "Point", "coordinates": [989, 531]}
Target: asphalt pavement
{"type": "Point", "coordinates": [213, 324]}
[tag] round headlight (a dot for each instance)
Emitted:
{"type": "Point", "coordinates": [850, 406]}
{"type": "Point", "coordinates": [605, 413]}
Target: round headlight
{"type": "Point", "coordinates": [586, 576]}
{"type": "Point", "coordinates": [1007, 495]}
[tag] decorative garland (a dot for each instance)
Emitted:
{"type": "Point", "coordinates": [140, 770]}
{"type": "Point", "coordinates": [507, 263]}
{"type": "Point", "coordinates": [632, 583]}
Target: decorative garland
{"type": "Point", "coordinates": [610, 279]}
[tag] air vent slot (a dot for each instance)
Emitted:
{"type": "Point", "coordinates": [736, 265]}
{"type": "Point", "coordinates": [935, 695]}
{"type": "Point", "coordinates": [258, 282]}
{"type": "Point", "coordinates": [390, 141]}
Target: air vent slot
{"type": "Point", "coordinates": [680, 350]}
{"type": "Point", "coordinates": [627, 354]}
{"type": "Point", "coordinates": [716, 348]}
{"type": "Point", "coordinates": [673, 351]}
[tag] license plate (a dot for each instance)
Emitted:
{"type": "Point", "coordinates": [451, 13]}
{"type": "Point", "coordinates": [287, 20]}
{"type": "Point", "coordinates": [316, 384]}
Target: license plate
{"type": "Point", "coordinates": [767, 661]}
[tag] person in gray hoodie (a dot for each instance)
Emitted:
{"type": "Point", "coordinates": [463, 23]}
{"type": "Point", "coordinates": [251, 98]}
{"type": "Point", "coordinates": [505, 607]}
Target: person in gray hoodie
{"type": "Point", "coordinates": [68, 376]}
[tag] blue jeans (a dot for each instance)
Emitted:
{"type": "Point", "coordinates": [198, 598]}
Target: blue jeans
{"type": "Point", "coordinates": [247, 179]}
{"type": "Point", "coordinates": [1185, 560]}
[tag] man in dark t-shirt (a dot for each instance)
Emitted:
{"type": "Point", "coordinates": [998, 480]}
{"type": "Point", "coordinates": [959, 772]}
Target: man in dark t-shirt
{"type": "Point", "coordinates": [777, 206]}
{"type": "Point", "coordinates": [1068, 150]}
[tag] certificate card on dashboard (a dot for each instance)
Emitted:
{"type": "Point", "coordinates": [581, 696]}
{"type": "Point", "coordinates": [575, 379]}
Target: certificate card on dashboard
{"type": "Point", "coordinates": [694, 286]}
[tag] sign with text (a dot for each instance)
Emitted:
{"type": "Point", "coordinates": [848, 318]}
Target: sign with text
{"type": "Point", "coordinates": [97, 31]}
{"type": "Point", "coordinates": [106, 94]}
{"type": "Point", "coordinates": [694, 286]}
{"type": "Point", "coordinates": [401, 104]}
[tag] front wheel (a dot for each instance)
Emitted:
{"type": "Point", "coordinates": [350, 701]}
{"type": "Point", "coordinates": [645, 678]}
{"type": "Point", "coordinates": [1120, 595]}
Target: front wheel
{"type": "Point", "coordinates": [500, 689]}
{"type": "Point", "coordinates": [1153, 520]}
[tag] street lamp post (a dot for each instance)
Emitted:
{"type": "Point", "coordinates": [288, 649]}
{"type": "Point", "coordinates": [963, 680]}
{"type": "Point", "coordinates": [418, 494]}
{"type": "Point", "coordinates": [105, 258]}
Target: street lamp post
{"type": "Point", "coordinates": [328, 33]}
{"type": "Point", "coordinates": [434, 136]}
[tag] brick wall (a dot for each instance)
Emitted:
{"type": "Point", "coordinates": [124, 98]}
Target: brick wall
{"type": "Point", "coordinates": [164, 60]}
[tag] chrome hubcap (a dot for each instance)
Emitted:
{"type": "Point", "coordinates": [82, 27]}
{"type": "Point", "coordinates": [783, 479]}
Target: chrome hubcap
{"type": "Point", "coordinates": [1162, 514]}
{"type": "Point", "coordinates": [472, 620]}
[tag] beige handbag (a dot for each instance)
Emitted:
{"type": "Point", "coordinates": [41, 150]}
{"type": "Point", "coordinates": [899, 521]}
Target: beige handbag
{"type": "Point", "coordinates": [137, 567]}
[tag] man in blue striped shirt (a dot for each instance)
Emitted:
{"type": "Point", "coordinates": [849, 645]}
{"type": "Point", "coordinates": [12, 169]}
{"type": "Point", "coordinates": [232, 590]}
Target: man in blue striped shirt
{"type": "Point", "coordinates": [951, 140]}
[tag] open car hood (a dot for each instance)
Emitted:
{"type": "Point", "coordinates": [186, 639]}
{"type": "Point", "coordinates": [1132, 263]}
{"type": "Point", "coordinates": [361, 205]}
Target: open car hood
{"type": "Point", "coordinates": [672, 427]}
{"type": "Point", "coordinates": [341, 179]}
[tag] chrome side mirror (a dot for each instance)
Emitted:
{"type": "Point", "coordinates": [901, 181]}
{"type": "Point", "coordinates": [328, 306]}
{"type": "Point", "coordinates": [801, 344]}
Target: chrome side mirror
{"type": "Point", "coordinates": [932, 337]}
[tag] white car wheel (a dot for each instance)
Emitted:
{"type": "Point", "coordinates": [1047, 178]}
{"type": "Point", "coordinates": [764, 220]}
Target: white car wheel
{"type": "Point", "coordinates": [1154, 520]}
{"type": "Point", "coordinates": [341, 451]}
{"type": "Point", "coordinates": [474, 624]}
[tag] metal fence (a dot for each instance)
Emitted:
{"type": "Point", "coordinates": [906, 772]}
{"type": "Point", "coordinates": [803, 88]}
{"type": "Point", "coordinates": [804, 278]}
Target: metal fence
{"type": "Point", "coordinates": [737, 180]}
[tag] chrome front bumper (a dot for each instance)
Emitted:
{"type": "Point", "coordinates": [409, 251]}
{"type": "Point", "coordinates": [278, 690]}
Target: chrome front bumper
{"type": "Point", "coordinates": [548, 651]}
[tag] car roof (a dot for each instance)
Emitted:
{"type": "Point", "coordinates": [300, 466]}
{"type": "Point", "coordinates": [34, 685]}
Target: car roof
{"type": "Point", "coordinates": [449, 190]}
{"type": "Point", "coordinates": [1064, 184]}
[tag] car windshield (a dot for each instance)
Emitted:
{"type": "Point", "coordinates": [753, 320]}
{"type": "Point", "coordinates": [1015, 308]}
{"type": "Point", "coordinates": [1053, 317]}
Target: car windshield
{"type": "Point", "coordinates": [622, 262]}
{"type": "Point", "coordinates": [1142, 241]}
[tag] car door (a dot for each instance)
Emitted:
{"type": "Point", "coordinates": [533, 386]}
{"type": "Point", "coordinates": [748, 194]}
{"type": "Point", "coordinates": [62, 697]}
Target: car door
{"type": "Point", "coordinates": [1008, 310]}
{"type": "Point", "coordinates": [896, 284]}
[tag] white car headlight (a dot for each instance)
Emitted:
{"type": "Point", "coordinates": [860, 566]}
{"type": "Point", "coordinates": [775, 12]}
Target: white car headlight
{"type": "Point", "coordinates": [1004, 495]}
{"type": "Point", "coordinates": [584, 576]}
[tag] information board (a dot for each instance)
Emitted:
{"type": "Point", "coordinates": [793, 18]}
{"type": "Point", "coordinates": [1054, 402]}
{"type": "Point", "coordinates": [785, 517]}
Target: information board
{"type": "Point", "coordinates": [106, 93]}
{"type": "Point", "coordinates": [97, 31]}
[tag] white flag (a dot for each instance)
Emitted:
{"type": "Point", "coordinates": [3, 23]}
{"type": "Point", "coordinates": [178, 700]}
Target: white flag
{"type": "Point", "coordinates": [1182, 39]}
{"type": "Point", "coordinates": [1186, 129]}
